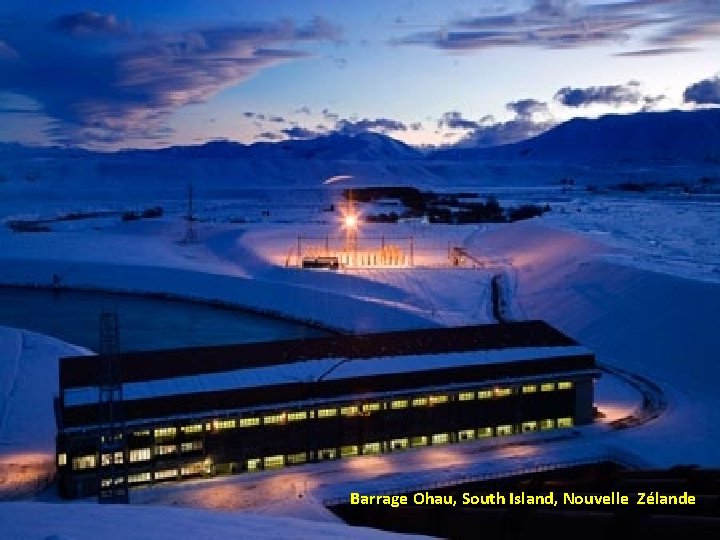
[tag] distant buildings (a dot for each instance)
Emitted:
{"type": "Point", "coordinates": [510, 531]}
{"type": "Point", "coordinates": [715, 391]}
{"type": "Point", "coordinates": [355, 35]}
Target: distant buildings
{"type": "Point", "coordinates": [198, 412]}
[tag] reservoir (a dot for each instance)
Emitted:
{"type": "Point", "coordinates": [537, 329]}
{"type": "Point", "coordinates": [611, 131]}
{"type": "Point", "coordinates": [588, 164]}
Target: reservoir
{"type": "Point", "coordinates": [144, 323]}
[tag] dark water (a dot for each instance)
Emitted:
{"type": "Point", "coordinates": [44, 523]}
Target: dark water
{"type": "Point", "coordinates": [145, 323]}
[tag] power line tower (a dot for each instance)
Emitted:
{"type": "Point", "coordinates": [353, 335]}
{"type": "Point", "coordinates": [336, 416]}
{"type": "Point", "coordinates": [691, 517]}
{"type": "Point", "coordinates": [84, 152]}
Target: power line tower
{"type": "Point", "coordinates": [190, 232]}
{"type": "Point", "coordinates": [112, 471]}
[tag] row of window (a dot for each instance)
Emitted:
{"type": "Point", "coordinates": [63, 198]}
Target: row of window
{"type": "Point", "coordinates": [143, 454]}
{"type": "Point", "coordinates": [354, 410]}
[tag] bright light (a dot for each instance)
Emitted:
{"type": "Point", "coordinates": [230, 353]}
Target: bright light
{"type": "Point", "coordinates": [351, 221]}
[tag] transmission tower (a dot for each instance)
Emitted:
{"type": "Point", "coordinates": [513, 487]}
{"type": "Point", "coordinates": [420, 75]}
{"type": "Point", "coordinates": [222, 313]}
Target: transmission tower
{"type": "Point", "coordinates": [112, 470]}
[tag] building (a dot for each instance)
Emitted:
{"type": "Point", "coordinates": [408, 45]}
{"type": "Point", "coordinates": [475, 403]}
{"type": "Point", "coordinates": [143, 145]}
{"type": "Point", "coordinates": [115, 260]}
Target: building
{"type": "Point", "coordinates": [231, 409]}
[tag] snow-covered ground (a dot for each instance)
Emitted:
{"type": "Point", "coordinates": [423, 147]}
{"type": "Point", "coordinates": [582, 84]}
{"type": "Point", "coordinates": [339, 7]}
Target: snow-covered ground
{"type": "Point", "coordinates": [635, 279]}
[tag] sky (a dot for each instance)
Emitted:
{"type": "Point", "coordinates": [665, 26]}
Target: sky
{"type": "Point", "coordinates": [116, 74]}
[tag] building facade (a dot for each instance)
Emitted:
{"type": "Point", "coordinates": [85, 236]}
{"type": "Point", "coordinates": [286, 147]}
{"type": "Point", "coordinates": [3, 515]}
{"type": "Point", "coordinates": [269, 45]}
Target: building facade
{"type": "Point", "coordinates": [189, 413]}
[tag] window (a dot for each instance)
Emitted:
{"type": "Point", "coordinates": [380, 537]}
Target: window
{"type": "Point", "coordinates": [106, 459]}
{"type": "Point", "coordinates": [274, 462]}
{"type": "Point", "coordinates": [565, 385]}
{"type": "Point", "coordinates": [466, 396]}
{"type": "Point", "coordinates": [248, 422]}
{"type": "Point", "coordinates": [530, 426]}
{"type": "Point", "coordinates": [422, 440]}
{"type": "Point", "coordinates": [274, 419]}
{"type": "Point", "coordinates": [440, 438]}
{"type": "Point", "coordinates": [223, 424]}
{"type": "Point", "coordinates": [350, 410]}
{"type": "Point", "coordinates": [326, 453]}
{"type": "Point", "coordinates": [83, 462]}
{"type": "Point", "coordinates": [192, 469]}
{"type": "Point", "coordinates": [296, 416]}
{"type": "Point", "coordinates": [167, 473]}
{"type": "Point", "coordinates": [139, 477]}
{"type": "Point", "coordinates": [142, 433]}
{"type": "Point", "coordinates": [399, 404]}
{"type": "Point", "coordinates": [565, 422]}
{"type": "Point", "coordinates": [166, 432]}
{"type": "Point", "coordinates": [294, 459]}
{"type": "Point", "coordinates": [547, 387]}
{"type": "Point", "coordinates": [191, 446]}
{"type": "Point", "coordinates": [371, 448]}
{"type": "Point", "coordinates": [437, 400]}
{"type": "Point", "coordinates": [62, 459]}
{"type": "Point", "coordinates": [547, 423]}
{"type": "Point", "coordinates": [193, 428]}
{"type": "Point", "coordinates": [484, 432]}
{"type": "Point", "coordinates": [165, 449]}
{"type": "Point", "coordinates": [485, 394]}
{"type": "Point", "coordinates": [399, 444]}
{"type": "Point", "coordinates": [502, 391]}
{"type": "Point", "coordinates": [466, 434]}
{"type": "Point", "coordinates": [253, 464]}
{"type": "Point", "coordinates": [326, 413]}
{"type": "Point", "coordinates": [139, 454]}
{"type": "Point", "coordinates": [370, 407]}
{"type": "Point", "coordinates": [346, 451]}
{"type": "Point", "coordinates": [419, 402]}
{"type": "Point", "coordinates": [529, 388]}
{"type": "Point", "coordinates": [505, 429]}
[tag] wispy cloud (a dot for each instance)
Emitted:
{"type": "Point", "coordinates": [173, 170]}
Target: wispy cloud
{"type": "Point", "coordinates": [128, 83]}
{"type": "Point", "coordinates": [614, 95]}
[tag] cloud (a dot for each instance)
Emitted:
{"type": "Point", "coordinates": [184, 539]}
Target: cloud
{"type": "Point", "coordinates": [303, 110]}
{"type": "Point", "coordinates": [552, 24]}
{"type": "Point", "coordinates": [7, 52]}
{"type": "Point", "coordinates": [88, 23]}
{"type": "Point", "coordinates": [526, 108]}
{"type": "Point", "coordinates": [126, 87]}
{"type": "Point", "coordinates": [297, 132]}
{"type": "Point", "coordinates": [383, 125]}
{"type": "Point", "coordinates": [614, 95]}
{"type": "Point", "coordinates": [330, 116]}
{"type": "Point", "coordinates": [454, 120]}
{"type": "Point", "coordinates": [659, 51]}
{"type": "Point", "coordinates": [705, 92]}
{"type": "Point", "coordinates": [277, 119]}
{"type": "Point", "coordinates": [415, 126]}
{"type": "Point", "coordinates": [269, 135]}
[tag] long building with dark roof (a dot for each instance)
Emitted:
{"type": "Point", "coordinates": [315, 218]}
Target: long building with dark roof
{"type": "Point", "coordinates": [204, 411]}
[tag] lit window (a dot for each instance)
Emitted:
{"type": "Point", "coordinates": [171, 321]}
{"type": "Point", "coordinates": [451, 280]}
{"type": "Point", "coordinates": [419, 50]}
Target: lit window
{"type": "Point", "coordinates": [547, 423]}
{"type": "Point", "coordinates": [371, 448]}
{"type": "Point", "coordinates": [530, 426]}
{"type": "Point", "coordinates": [419, 402]}
{"type": "Point", "coordinates": [107, 459]}
{"type": "Point", "coordinates": [399, 444]}
{"type": "Point", "coordinates": [422, 440]}
{"type": "Point", "coordinates": [274, 462]}
{"type": "Point", "coordinates": [505, 429]}
{"type": "Point", "coordinates": [547, 387]}
{"type": "Point", "coordinates": [167, 473]}
{"type": "Point", "coordinates": [274, 419]}
{"type": "Point", "coordinates": [139, 454]}
{"type": "Point", "coordinates": [326, 413]}
{"type": "Point", "coordinates": [466, 434]}
{"type": "Point", "coordinates": [485, 394]}
{"type": "Point", "coordinates": [165, 449]}
{"type": "Point", "coordinates": [436, 400]}
{"type": "Point", "coordinates": [351, 450]}
{"type": "Point", "coordinates": [294, 459]}
{"type": "Point", "coordinates": [529, 388]}
{"type": "Point", "coordinates": [191, 446]}
{"type": "Point", "coordinates": [248, 422]}
{"type": "Point", "coordinates": [350, 410]}
{"type": "Point", "coordinates": [62, 459]}
{"type": "Point", "coordinates": [466, 396]}
{"type": "Point", "coordinates": [193, 428]}
{"type": "Point", "coordinates": [565, 422]}
{"type": "Point", "coordinates": [83, 462]}
{"type": "Point", "coordinates": [139, 477]}
{"type": "Point", "coordinates": [142, 433]}
{"type": "Point", "coordinates": [502, 392]}
{"type": "Point", "coordinates": [165, 432]}
{"type": "Point", "coordinates": [565, 385]}
{"type": "Point", "coordinates": [223, 424]}
{"type": "Point", "coordinates": [296, 416]}
{"type": "Point", "coordinates": [192, 469]}
{"type": "Point", "coordinates": [399, 404]}
{"type": "Point", "coordinates": [440, 438]}
{"type": "Point", "coordinates": [326, 453]}
{"type": "Point", "coordinates": [484, 432]}
{"type": "Point", "coordinates": [370, 407]}
{"type": "Point", "coordinates": [253, 464]}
